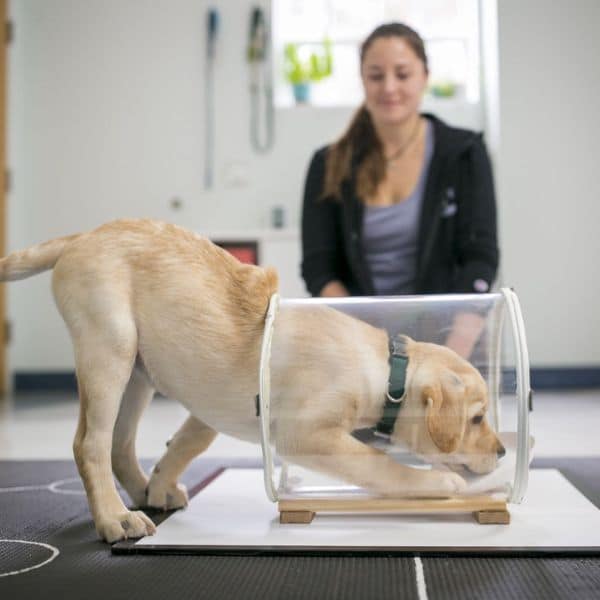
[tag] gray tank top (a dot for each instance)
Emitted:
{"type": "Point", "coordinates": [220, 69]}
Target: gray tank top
{"type": "Point", "coordinates": [390, 236]}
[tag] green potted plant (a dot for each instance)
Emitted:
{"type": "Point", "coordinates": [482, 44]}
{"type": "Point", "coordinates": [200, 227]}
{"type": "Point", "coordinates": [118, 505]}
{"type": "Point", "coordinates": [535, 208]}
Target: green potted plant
{"type": "Point", "coordinates": [443, 89]}
{"type": "Point", "coordinates": [300, 72]}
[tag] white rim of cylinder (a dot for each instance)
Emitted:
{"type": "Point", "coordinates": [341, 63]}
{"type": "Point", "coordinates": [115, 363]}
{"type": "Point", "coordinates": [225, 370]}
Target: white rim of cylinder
{"type": "Point", "coordinates": [521, 480]}
{"type": "Point", "coordinates": [264, 399]}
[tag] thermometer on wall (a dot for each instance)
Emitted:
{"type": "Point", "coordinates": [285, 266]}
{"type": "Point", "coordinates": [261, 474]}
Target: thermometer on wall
{"type": "Point", "coordinates": [261, 85]}
{"type": "Point", "coordinates": [212, 23]}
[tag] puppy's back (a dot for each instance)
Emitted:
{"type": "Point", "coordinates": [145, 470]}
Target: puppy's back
{"type": "Point", "coordinates": [154, 264]}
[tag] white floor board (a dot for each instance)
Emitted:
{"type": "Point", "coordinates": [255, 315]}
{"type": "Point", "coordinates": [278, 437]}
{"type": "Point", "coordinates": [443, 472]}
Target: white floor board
{"type": "Point", "coordinates": [233, 511]}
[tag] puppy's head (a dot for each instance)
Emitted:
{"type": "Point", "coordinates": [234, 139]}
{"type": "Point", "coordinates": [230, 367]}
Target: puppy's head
{"type": "Point", "coordinates": [446, 410]}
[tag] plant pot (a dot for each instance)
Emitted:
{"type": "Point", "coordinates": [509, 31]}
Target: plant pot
{"type": "Point", "coordinates": [301, 92]}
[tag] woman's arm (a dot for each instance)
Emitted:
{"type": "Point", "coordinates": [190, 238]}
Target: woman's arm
{"type": "Point", "coordinates": [322, 243]}
{"type": "Point", "coordinates": [476, 244]}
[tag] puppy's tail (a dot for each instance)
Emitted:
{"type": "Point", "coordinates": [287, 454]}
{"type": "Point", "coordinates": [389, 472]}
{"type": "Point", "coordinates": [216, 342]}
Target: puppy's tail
{"type": "Point", "coordinates": [36, 259]}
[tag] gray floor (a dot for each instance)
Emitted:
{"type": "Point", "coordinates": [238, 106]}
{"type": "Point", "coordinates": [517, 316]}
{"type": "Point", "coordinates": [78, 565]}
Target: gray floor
{"type": "Point", "coordinates": [41, 426]}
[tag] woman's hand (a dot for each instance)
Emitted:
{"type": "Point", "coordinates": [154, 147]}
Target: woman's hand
{"type": "Point", "coordinates": [466, 329]}
{"type": "Point", "coordinates": [334, 289]}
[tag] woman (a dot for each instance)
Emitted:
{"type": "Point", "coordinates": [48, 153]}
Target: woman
{"type": "Point", "coordinates": [402, 203]}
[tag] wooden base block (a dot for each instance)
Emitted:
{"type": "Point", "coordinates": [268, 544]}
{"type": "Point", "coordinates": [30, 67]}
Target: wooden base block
{"type": "Point", "coordinates": [485, 509]}
{"type": "Point", "coordinates": [492, 517]}
{"type": "Point", "coordinates": [296, 516]}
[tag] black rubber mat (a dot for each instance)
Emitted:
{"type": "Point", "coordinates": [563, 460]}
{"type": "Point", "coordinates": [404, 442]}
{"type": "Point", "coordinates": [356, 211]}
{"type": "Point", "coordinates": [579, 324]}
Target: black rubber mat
{"type": "Point", "coordinates": [85, 567]}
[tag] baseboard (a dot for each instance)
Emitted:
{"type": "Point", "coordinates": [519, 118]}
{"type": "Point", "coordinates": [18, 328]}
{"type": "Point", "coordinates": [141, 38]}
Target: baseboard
{"type": "Point", "coordinates": [44, 381]}
{"type": "Point", "coordinates": [561, 378]}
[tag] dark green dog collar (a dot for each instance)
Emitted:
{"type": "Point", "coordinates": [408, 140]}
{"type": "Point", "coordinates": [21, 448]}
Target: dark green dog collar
{"type": "Point", "coordinates": [394, 395]}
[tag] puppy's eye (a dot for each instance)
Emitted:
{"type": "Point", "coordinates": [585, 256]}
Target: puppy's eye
{"type": "Point", "coordinates": [476, 420]}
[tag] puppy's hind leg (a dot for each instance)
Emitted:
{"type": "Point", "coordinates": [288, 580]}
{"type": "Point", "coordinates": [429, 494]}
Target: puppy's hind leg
{"type": "Point", "coordinates": [104, 355]}
{"type": "Point", "coordinates": [192, 438]}
{"type": "Point", "coordinates": [127, 470]}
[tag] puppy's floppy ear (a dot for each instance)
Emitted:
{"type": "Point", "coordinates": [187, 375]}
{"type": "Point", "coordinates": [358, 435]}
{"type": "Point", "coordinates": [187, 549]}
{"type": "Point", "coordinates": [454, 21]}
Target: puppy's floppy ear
{"type": "Point", "coordinates": [446, 412]}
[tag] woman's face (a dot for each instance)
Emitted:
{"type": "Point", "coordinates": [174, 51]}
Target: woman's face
{"type": "Point", "coordinates": [394, 80]}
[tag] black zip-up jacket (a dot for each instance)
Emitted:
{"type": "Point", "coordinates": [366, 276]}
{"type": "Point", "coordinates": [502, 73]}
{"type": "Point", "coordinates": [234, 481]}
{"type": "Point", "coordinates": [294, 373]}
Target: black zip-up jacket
{"type": "Point", "coordinates": [457, 241]}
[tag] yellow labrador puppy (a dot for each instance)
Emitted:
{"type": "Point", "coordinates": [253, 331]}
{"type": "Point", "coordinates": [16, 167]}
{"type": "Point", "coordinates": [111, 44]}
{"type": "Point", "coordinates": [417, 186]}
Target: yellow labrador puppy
{"type": "Point", "coordinates": [151, 306]}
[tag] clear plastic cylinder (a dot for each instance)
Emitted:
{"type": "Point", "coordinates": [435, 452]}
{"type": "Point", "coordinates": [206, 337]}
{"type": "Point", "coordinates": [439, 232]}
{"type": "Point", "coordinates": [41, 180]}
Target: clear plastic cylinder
{"type": "Point", "coordinates": [460, 427]}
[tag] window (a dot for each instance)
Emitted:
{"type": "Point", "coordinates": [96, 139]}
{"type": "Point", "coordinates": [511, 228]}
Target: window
{"type": "Point", "coordinates": [450, 29]}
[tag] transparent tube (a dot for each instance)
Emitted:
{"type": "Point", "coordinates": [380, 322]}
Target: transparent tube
{"type": "Point", "coordinates": [462, 425]}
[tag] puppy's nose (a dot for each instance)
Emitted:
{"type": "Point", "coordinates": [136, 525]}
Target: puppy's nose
{"type": "Point", "coordinates": [501, 451]}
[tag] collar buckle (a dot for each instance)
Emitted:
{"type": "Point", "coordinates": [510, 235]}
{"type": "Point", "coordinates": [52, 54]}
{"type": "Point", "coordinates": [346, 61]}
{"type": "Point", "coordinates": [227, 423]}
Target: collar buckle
{"type": "Point", "coordinates": [392, 399]}
{"type": "Point", "coordinates": [396, 389]}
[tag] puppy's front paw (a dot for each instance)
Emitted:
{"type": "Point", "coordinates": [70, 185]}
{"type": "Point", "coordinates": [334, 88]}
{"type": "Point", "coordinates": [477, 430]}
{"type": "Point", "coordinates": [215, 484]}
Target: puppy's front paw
{"type": "Point", "coordinates": [447, 483]}
{"type": "Point", "coordinates": [434, 484]}
{"type": "Point", "coordinates": [134, 524]}
{"type": "Point", "coordinates": [166, 496]}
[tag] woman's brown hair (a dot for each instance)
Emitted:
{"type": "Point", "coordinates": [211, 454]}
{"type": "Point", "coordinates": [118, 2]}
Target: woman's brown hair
{"type": "Point", "coordinates": [360, 141]}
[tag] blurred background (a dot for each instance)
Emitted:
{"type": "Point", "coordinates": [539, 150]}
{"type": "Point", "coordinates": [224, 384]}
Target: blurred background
{"type": "Point", "coordinates": [173, 109]}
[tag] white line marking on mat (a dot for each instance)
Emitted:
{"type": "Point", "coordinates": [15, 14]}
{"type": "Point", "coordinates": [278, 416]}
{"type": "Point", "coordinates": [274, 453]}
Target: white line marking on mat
{"type": "Point", "coordinates": [23, 488]}
{"type": "Point", "coordinates": [53, 487]}
{"type": "Point", "coordinates": [420, 575]}
{"type": "Point", "coordinates": [55, 553]}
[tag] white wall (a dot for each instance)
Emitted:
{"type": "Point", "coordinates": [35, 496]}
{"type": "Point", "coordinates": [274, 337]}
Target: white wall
{"type": "Point", "coordinates": [106, 120]}
{"type": "Point", "coordinates": [547, 173]}
{"type": "Point", "coordinates": [106, 112]}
